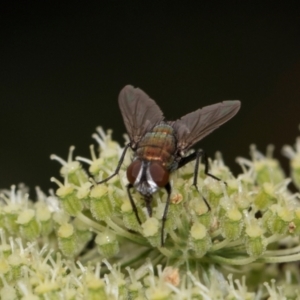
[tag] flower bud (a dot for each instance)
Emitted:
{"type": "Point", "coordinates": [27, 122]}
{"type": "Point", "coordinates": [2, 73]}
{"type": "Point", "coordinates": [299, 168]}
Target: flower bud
{"type": "Point", "coordinates": [47, 289]}
{"type": "Point", "coordinates": [232, 224]}
{"type": "Point", "coordinates": [67, 240]}
{"type": "Point", "coordinates": [83, 192]}
{"type": "Point", "coordinates": [158, 293]}
{"type": "Point", "coordinates": [96, 166]}
{"type": "Point", "coordinates": [71, 170]}
{"type": "Point", "coordinates": [15, 262]}
{"type": "Point", "coordinates": [4, 266]}
{"type": "Point", "coordinates": [215, 192]}
{"type": "Point", "coordinates": [8, 292]}
{"type": "Point", "coordinates": [94, 288]}
{"type": "Point", "coordinates": [60, 217]}
{"type": "Point", "coordinates": [74, 172]}
{"type": "Point", "coordinates": [266, 197]}
{"type": "Point", "coordinates": [200, 241]}
{"type": "Point", "coordinates": [44, 217]}
{"type": "Point", "coordinates": [280, 219]}
{"type": "Point", "coordinates": [151, 231]}
{"type": "Point", "coordinates": [199, 208]}
{"type": "Point", "coordinates": [29, 226]}
{"type": "Point", "coordinates": [70, 203]}
{"type": "Point", "coordinates": [255, 240]}
{"type": "Point", "coordinates": [11, 213]}
{"type": "Point", "coordinates": [268, 170]}
{"type": "Point", "coordinates": [295, 170]}
{"type": "Point", "coordinates": [83, 231]}
{"type": "Point", "coordinates": [129, 217]}
{"type": "Point", "coordinates": [134, 290]}
{"type": "Point", "coordinates": [232, 186]}
{"type": "Point", "coordinates": [101, 205]}
{"type": "Point", "coordinates": [107, 244]}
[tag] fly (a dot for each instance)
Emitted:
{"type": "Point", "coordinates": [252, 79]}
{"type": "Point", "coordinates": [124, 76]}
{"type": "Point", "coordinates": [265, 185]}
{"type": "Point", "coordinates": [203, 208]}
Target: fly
{"type": "Point", "coordinates": [160, 147]}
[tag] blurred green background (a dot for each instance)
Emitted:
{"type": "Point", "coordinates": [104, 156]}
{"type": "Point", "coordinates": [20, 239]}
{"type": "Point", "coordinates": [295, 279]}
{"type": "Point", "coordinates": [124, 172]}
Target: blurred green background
{"type": "Point", "coordinates": [63, 65]}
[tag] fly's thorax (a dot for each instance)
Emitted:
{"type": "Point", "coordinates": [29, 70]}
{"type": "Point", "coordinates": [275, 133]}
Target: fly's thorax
{"type": "Point", "coordinates": [159, 144]}
{"type": "Point", "coordinates": [147, 176]}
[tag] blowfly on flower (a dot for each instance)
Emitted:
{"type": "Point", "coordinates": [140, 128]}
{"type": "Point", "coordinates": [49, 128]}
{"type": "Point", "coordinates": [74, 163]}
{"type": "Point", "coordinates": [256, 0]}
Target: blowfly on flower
{"type": "Point", "coordinates": [160, 147]}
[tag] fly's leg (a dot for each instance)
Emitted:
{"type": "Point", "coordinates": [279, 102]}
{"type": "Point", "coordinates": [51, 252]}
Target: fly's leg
{"type": "Point", "coordinates": [164, 218]}
{"type": "Point", "coordinates": [118, 166]}
{"type": "Point", "coordinates": [130, 186]}
{"type": "Point", "coordinates": [200, 153]}
{"type": "Point", "coordinates": [148, 200]}
{"type": "Point", "coordinates": [197, 156]}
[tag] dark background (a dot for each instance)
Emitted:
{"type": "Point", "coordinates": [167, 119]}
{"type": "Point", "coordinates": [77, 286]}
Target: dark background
{"type": "Point", "coordinates": [62, 67]}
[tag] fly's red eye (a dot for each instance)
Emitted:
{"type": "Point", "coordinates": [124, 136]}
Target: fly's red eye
{"type": "Point", "coordinates": [159, 174]}
{"type": "Point", "coordinates": [133, 171]}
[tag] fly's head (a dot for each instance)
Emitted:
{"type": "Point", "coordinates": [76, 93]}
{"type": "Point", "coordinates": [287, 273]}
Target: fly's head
{"type": "Point", "coordinates": [147, 176]}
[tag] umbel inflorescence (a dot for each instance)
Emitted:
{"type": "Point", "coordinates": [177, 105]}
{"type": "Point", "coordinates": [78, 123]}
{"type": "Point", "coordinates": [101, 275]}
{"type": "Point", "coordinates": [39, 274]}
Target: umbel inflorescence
{"type": "Point", "coordinates": [83, 241]}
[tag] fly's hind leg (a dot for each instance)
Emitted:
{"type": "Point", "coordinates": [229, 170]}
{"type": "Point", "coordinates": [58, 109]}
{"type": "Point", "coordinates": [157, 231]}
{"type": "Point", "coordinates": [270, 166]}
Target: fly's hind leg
{"type": "Point", "coordinates": [134, 208]}
{"type": "Point", "coordinates": [197, 157]}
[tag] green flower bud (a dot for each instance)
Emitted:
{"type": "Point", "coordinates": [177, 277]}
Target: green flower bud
{"type": "Point", "coordinates": [215, 192]}
{"type": "Point", "coordinates": [107, 244]}
{"type": "Point", "coordinates": [268, 170]}
{"type": "Point", "coordinates": [134, 290]}
{"type": "Point", "coordinates": [5, 249]}
{"type": "Point", "coordinates": [70, 203]}
{"type": "Point", "coordinates": [101, 205]}
{"type": "Point", "coordinates": [8, 292]}
{"type": "Point", "coordinates": [200, 241]}
{"type": "Point", "coordinates": [266, 197]}
{"type": "Point", "coordinates": [123, 291]}
{"type": "Point", "coordinates": [44, 217]}
{"type": "Point", "coordinates": [232, 186]}
{"type": "Point", "coordinates": [295, 168]}
{"type": "Point", "coordinates": [71, 170]}
{"type": "Point", "coordinates": [232, 224]}
{"type": "Point", "coordinates": [83, 192]}
{"type": "Point", "coordinates": [67, 240]}
{"type": "Point", "coordinates": [60, 217]}
{"type": "Point", "coordinates": [4, 266]}
{"type": "Point", "coordinates": [48, 289]}
{"type": "Point", "coordinates": [280, 220]}
{"type": "Point", "coordinates": [96, 166]}
{"type": "Point", "coordinates": [94, 288]}
{"type": "Point", "coordinates": [129, 217]}
{"type": "Point", "coordinates": [16, 262]}
{"type": "Point", "coordinates": [200, 209]}
{"type": "Point", "coordinates": [255, 241]}
{"type": "Point", "coordinates": [151, 231]}
{"type": "Point", "coordinates": [11, 214]}
{"type": "Point", "coordinates": [30, 228]}
{"type": "Point", "coordinates": [83, 231]}
{"type": "Point", "coordinates": [158, 293]}
{"type": "Point", "coordinates": [76, 174]}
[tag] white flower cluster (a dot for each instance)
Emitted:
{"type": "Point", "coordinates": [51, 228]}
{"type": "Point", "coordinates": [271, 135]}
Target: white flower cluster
{"type": "Point", "coordinates": [51, 248]}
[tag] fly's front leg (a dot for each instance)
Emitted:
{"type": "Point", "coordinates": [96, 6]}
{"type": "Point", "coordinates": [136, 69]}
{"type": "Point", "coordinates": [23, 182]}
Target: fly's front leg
{"type": "Point", "coordinates": [164, 218]}
{"type": "Point", "coordinates": [118, 166]}
{"type": "Point", "coordinates": [130, 186]}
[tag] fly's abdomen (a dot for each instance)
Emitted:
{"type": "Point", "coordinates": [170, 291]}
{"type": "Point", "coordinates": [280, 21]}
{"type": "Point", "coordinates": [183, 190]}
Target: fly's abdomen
{"type": "Point", "coordinates": [158, 144]}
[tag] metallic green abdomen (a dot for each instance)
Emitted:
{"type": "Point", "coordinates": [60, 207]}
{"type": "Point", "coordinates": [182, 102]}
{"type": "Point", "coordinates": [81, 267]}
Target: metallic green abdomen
{"type": "Point", "coordinates": [158, 144]}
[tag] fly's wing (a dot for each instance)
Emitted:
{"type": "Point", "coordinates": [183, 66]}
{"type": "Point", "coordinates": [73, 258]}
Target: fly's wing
{"type": "Point", "coordinates": [194, 126]}
{"type": "Point", "coordinates": [140, 113]}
